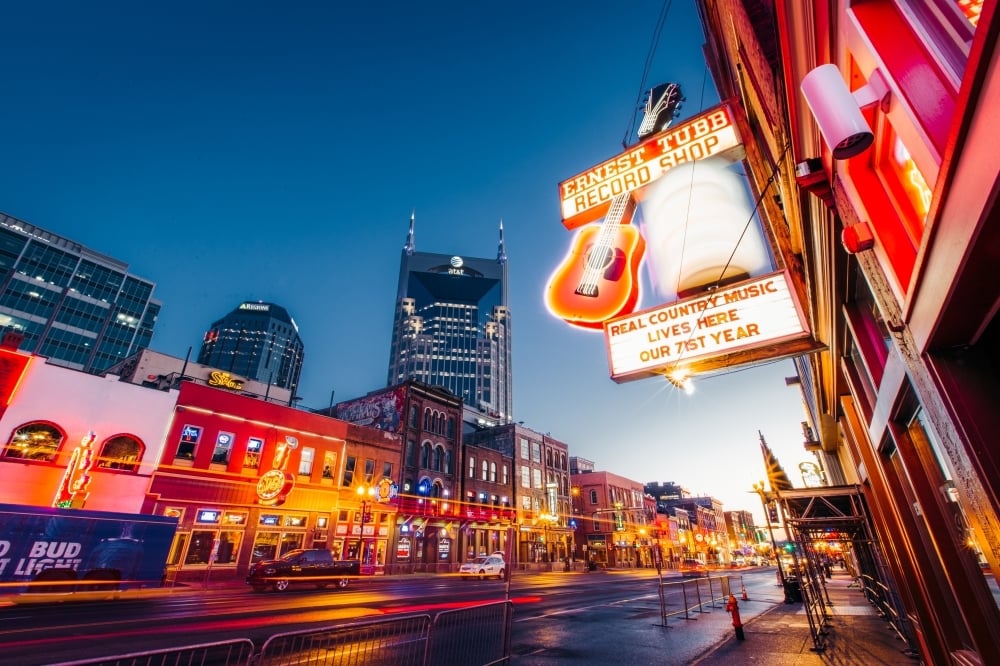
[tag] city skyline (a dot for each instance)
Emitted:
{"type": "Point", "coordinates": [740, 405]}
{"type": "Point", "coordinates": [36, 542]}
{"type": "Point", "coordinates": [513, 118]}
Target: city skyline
{"type": "Point", "coordinates": [280, 161]}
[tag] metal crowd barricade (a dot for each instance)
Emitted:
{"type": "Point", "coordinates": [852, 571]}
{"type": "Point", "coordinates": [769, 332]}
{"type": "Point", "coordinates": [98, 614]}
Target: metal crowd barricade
{"type": "Point", "coordinates": [476, 635]}
{"type": "Point", "coordinates": [237, 652]}
{"type": "Point", "coordinates": [388, 642]}
{"type": "Point", "coordinates": [692, 600]}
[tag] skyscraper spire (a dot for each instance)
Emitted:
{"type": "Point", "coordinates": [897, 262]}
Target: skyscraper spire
{"type": "Point", "coordinates": [409, 247]}
{"type": "Point", "coordinates": [501, 252]}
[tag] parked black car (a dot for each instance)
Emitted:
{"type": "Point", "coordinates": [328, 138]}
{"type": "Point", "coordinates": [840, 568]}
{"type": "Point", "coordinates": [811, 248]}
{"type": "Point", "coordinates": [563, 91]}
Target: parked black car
{"type": "Point", "coordinates": [306, 566]}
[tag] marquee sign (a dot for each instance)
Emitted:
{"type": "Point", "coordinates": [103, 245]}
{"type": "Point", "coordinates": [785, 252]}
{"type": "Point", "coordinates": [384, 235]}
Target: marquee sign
{"type": "Point", "coordinates": [710, 327]}
{"type": "Point", "coordinates": [587, 196]}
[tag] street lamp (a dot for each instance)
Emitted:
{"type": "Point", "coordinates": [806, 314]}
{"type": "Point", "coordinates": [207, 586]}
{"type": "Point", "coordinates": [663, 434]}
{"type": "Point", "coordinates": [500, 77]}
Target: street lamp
{"type": "Point", "coordinates": [575, 493]}
{"type": "Point", "coordinates": [365, 492]}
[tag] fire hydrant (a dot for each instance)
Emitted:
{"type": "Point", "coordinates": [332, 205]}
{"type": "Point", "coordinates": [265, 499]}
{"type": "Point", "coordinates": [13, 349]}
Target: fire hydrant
{"type": "Point", "coordinates": [734, 609]}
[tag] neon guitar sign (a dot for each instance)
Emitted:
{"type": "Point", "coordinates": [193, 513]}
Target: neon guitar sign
{"type": "Point", "coordinates": [599, 277]}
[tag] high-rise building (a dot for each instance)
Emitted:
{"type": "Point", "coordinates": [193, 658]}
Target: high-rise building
{"type": "Point", "coordinates": [452, 327]}
{"type": "Point", "coordinates": [79, 308]}
{"type": "Point", "coordinates": [257, 341]}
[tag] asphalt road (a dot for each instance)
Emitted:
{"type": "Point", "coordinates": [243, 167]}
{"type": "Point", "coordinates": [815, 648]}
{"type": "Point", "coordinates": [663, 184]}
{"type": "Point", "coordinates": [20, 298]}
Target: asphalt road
{"type": "Point", "coordinates": [582, 617]}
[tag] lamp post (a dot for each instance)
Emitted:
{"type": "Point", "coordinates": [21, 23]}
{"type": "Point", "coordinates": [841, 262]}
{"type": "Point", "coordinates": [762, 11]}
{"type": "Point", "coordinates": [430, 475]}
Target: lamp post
{"type": "Point", "coordinates": [575, 495]}
{"type": "Point", "coordinates": [365, 492]}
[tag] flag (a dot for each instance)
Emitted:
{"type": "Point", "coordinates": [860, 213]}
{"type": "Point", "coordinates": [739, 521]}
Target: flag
{"type": "Point", "coordinates": [777, 478]}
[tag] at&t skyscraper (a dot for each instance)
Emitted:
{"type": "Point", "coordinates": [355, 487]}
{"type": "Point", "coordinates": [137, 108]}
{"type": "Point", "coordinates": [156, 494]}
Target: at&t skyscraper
{"type": "Point", "coordinates": [452, 327]}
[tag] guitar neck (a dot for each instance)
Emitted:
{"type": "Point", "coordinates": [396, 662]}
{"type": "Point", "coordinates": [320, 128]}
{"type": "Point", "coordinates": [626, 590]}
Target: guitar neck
{"type": "Point", "coordinates": [622, 207]}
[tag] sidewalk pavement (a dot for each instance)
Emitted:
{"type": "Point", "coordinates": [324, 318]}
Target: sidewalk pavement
{"type": "Point", "coordinates": [780, 636]}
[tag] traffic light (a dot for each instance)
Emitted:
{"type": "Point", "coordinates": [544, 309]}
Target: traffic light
{"type": "Point", "coordinates": [619, 521]}
{"type": "Point", "coordinates": [772, 512]}
{"type": "Point", "coordinates": [789, 547]}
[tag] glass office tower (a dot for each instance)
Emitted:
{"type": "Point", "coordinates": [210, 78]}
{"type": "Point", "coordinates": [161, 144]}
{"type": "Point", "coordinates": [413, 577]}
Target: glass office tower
{"type": "Point", "coordinates": [79, 308]}
{"type": "Point", "coordinates": [452, 327]}
{"type": "Point", "coordinates": [257, 341]}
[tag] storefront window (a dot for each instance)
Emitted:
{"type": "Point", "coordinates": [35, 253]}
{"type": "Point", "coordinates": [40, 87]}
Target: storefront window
{"type": "Point", "coordinates": [34, 441]}
{"type": "Point", "coordinates": [870, 336]}
{"type": "Point", "coordinates": [121, 453]}
{"type": "Point", "coordinates": [904, 183]}
{"type": "Point", "coordinates": [329, 464]}
{"type": "Point", "coordinates": [224, 544]}
{"type": "Point", "coordinates": [270, 545]}
{"type": "Point", "coordinates": [177, 548]}
{"type": "Point", "coordinates": [251, 459]}
{"type": "Point", "coordinates": [223, 447]}
{"type": "Point", "coordinates": [349, 463]}
{"type": "Point", "coordinates": [306, 460]}
{"type": "Point", "coordinates": [947, 26]}
{"type": "Point", "coordinates": [190, 436]}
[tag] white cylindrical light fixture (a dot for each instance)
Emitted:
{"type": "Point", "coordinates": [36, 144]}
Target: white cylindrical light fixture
{"type": "Point", "coordinates": [836, 111]}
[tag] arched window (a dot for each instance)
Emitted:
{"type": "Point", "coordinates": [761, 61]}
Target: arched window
{"type": "Point", "coordinates": [437, 458]}
{"type": "Point", "coordinates": [486, 468]}
{"type": "Point", "coordinates": [427, 419]}
{"type": "Point", "coordinates": [122, 452]}
{"type": "Point", "coordinates": [472, 467]}
{"type": "Point", "coordinates": [548, 458]}
{"type": "Point", "coordinates": [411, 453]}
{"type": "Point", "coordinates": [447, 462]}
{"type": "Point", "coordinates": [34, 441]}
{"type": "Point", "coordinates": [413, 416]}
{"type": "Point", "coordinates": [425, 455]}
{"type": "Point", "coordinates": [493, 472]}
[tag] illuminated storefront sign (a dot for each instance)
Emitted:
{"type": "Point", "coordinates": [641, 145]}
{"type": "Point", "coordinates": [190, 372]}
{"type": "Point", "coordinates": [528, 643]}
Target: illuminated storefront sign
{"type": "Point", "coordinates": [224, 380]}
{"type": "Point", "coordinates": [752, 314]}
{"type": "Point", "coordinates": [73, 489]}
{"type": "Point", "coordinates": [274, 486]}
{"type": "Point", "coordinates": [587, 196]}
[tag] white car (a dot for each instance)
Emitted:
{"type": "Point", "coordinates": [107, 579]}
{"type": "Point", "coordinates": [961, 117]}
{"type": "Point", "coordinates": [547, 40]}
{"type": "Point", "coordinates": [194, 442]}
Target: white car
{"type": "Point", "coordinates": [492, 565]}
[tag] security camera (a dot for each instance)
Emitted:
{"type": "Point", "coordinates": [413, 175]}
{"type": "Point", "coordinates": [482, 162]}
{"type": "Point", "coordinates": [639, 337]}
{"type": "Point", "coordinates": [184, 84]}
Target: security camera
{"type": "Point", "coordinates": [838, 111]}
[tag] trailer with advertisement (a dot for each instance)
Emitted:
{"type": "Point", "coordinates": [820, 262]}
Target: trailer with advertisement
{"type": "Point", "coordinates": [58, 551]}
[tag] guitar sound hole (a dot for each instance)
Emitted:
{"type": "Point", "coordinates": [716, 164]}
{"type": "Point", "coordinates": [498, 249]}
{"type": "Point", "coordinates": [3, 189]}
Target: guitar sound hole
{"type": "Point", "coordinates": [600, 258]}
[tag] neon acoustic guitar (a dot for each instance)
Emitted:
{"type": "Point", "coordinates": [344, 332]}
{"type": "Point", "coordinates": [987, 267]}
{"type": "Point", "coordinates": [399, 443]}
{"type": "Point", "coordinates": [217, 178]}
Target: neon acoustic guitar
{"type": "Point", "coordinates": [599, 277]}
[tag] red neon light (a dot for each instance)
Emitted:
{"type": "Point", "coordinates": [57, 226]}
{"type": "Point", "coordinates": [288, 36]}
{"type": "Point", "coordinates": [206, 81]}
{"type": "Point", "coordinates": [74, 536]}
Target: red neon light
{"type": "Point", "coordinates": [13, 370]}
{"type": "Point", "coordinates": [82, 460]}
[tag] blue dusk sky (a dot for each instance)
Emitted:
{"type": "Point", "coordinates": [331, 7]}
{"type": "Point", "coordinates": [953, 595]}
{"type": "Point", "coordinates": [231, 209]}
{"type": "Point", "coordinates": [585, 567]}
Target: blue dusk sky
{"type": "Point", "coordinates": [232, 151]}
